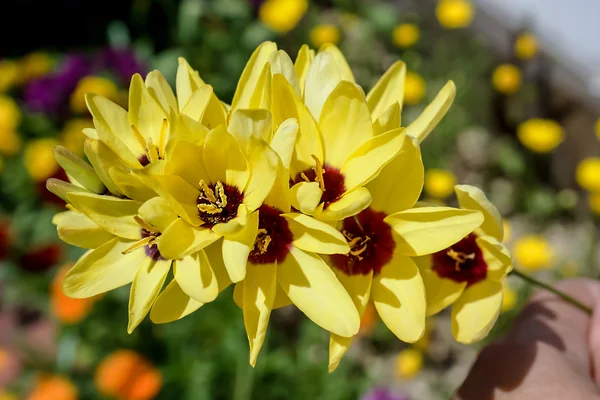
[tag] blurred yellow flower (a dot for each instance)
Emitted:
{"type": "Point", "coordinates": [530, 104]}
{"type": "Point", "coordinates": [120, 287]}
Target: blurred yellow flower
{"type": "Point", "coordinates": [72, 136]}
{"type": "Point", "coordinates": [526, 46]}
{"type": "Point", "coordinates": [39, 159]}
{"type": "Point", "coordinates": [594, 202]}
{"type": "Point", "coordinates": [323, 34]}
{"type": "Point", "coordinates": [409, 363]}
{"type": "Point", "coordinates": [414, 88]}
{"type": "Point", "coordinates": [507, 230]}
{"type": "Point", "coordinates": [509, 298]}
{"type": "Point", "coordinates": [507, 79]}
{"type": "Point", "coordinates": [282, 15]}
{"type": "Point", "coordinates": [10, 142]}
{"type": "Point", "coordinates": [92, 84]}
{"type": "Point", "coordinates": [597, 128]}
{"type": "Point", "coordinates": [7, 395]}
{"type": "Point", "coordinates": [540, 135]}
{"type": "Point", "coordinates": [10, 113]}
{"type": "Point", "coordinates": [532, 252]}
{"type": "Point", "coordinates": [406, 35]}
{"type": "Point", "coordinates": [439, 183]}
{"type": "Point", "coordinates": [9, 74]}
{"type": "Point", "coordinates": [454, 14]}
{"type": "Point", "coordinates": [35, 65]}
{"type": "Point", "coordinates": [588, 174]}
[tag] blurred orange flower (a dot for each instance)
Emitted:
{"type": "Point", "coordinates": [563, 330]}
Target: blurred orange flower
{"type": "Point", "coordinates": [66, 309]}
{"type": "Point", "coordinates": [53, 388]}
{"type": "Point", "coordinates": [128, 376]}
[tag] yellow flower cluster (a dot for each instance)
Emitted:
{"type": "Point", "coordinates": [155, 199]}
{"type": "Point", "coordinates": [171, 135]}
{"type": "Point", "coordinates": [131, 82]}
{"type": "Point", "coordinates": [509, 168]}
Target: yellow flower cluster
{"type": "Point", "coordinates": [302, 191]}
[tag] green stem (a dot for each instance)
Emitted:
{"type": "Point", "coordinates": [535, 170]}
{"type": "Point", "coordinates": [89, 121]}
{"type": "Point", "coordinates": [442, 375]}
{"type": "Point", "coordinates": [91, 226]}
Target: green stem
{"type": "Point", "coordinates": [562, 295]}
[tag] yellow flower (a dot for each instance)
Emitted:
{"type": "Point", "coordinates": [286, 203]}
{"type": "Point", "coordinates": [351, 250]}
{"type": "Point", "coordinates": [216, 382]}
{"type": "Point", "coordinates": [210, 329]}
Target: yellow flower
{"type": "Point", "coordinates": [323, 34]}
{"type": "Point", "coordinates": [507, 79]}
{"type": "Point", "coordinates": [507, 230]}
{"type": "Point", "coordinates": [526, 46]}
{"type": "Point", "coordinates": [414, 88]}
{"type": "Point", "coordinates": [92, 84]}
{"type": "Point", "coordinates": [72, 136]}
{"type": "Point", "coordinates": [470, 273]}
{"type": "Point", "coordinates": [10, 142]}
{"type": "Point", "coordinates": [540, 135]}
{"type": "Point", "coordinates": [409, 363]}
{"type": "Point", "coordinates": [39, 159]}
{"type": "Point", "coordinates": [282, 15]}
{"type": "Point", "coordinates": [453, 14]}
{"type": "Point", "coordinates": [532, 252]}
{"type": "Point", "coordinates": [4, 395]}
{"type": "Point", "coordinates": [406, 35]}
{"type": "Point", "coordinates": [597, 128]}
{"type": "Point", "coordinates": [594, 202]}
{"type": "Point", "coordinates": [509, 299]}
{"type": "Point", "coordinates": [9, 74]}
{"type": "Point", "coordinates": [588, 174]}
{"type": "Point", "coordinates": [439, 183]}
{"type": "Point", "coordinates": [35, 65]}
{"type": "Point", "coordinates": [10, 114]}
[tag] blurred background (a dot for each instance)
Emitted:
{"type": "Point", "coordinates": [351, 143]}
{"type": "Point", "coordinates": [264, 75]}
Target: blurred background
{"type": "Point", "coordinates": [524, 127]}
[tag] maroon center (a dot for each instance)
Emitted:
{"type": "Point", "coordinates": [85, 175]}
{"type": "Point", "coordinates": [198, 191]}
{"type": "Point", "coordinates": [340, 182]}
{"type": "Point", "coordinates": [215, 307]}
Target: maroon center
{"type": "Point", "coordinates": [371, 243]}
{"type": "Point", "coordinates": [274, 237]}
{"type": "Point", "coordinates": [222, 205]}
{"type": "Point", "coordinates": [143, 159]}
{"type": "Point", "coordinates": [462, 262]}
{"type": "Point", "coordinates": [152, 250]}
{"type": "Point", "coordinates": [333, 182]}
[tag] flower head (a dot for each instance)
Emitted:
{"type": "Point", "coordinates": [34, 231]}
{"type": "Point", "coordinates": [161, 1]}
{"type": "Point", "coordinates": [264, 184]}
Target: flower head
{"type": "Point", "coordinates": [439, 183]}
{"type": "Point", "coordinates": [526, 46]}
{"type": "Point", "coordinates": [509, 298]}
{"type": "Point", "coordinates": [9, 74]}
{"type": "Point", "coordinates": [323, 34]}
{"type": "Point", "coordinates": [282, 15]}
{"type": "Point", "coordinates": [454, 14]}
{"type": "Point", "coordinates": [66, 309]}
{"type": "Point", "coordinates": [409, 363]}
{"type": "Point", "coordinates": [588, 174]}
{"type": "Point", "coordinates": [532, 252]}
{"type": "Point", "coordinates": [540, 135]}
{"type": "Point", "coordinates": [414, 88]}
{"type": "Point", "coordinates": [35, 65]}
{"type": "Point", "coordinates": [39, 159]}
{"type": "Point", "coordinates": [91, 84]}
{"type": "Point", "coordinates": [405, 35]}
{"type": "Point", "coordinates": [53, 387]}
{"type": "Point", "coordinates": [506, 79]}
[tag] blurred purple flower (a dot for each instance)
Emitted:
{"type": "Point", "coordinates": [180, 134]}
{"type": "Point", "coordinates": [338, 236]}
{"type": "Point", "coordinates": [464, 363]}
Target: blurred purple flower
{"type": "Point", "coordinates": [122, 62]}
{"type": "Point", "coordinates": [383, 394]}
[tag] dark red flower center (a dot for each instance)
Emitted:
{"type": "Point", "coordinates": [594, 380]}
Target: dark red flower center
{"type": "Point", "coordinates": [143, 159]}
{"type": "Point", "coordinates": [218, 203]}
{"type": "Point", "coordinates": [329, 178]}
{"type": "Point", "coordinates": [461, 262]}
{"type": "Point", "coordinates": [274, 237]}
{"type": "Point", "coordinates": [152, 248]}
{"type": "Point", "coordinates": [371, 243]}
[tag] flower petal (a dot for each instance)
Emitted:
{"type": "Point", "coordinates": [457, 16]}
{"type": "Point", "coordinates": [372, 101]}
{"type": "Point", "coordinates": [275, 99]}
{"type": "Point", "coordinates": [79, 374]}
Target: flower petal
{"type": "Point", "coordinates": [184, 161]}
{"type": "Point", "coordinates": [425, 230]}
{"type": "Point", "coordinates": [441, 292]}
{"type": "Point", "coordinates": [343, 67]}
{"type": "Point", "coordinates": [399, 297]}
{"type": "Point", "coordinates": [348, 205]}
{"type": "Point", "coordinates": [399, 185]}
{"type": "Point", "coordinates": [284, 141]}
{"type": "Point", "coordinates": [103, 269]}
{"type": "Point", "coordinates": [497, 257]}
{"type": "Point", "coordinates": [161, 91]}
{"type": "Point", "coordinates": [367, 161]}
{"type": "Point", "coordinates": [389, 90]}
{"type": "Point", "coordinates": [131, 184]}
{"type": "Point", "coordinates": [62, 188]}
{"type": "Point", "coordinates": [314, 289]}
{"type": "Point", "coordinates": [304, 58]}
{"type": "Point", "coordinates": [260, 286]}
{"type": "Point", "coordinates": [279, 196]}
{"type": "Point", "coordinates": [146, 285]}
{"type": "Point", "coordinates": [282, 64]}
{"type": "Point", "coordinates": [306, 196]}
{"type": "Point", "coordinates": [158, 213]}
{"type": "Point", "coordinates": [180, 239]}
{"type": "Point", "coordinates": [390, 119]}
{"type": "Point", "coordinates": [315, 236]}
{"type": "Point", "coordinates": [236, 249]}
{"type": "Point", "coordinates": [103, 159]}
{"type": "Point", "coordinates": [321, 78]}
{"type": "Point", "coordinates": [263, 163]}
{"type": "Point", "coordinates": [224, 160]}
{"type": "Point", "coordinates": [173, 304]}
{"type": "Point", "coordinates": [111, 213]}
{"type": "Point", "coordinates": [196, 277]}
{"type": "Point", "coordinates": [433, 114]}
{"type": "Point", "coordinates": [196, 106]}
{"type": "Point", "coordinates": [145, 113]}
{"type": "Point", "coordinates": [78, 230]}
{"type": "Point", "coordinates": [234, 226]}
{"type": "Point", "coordinates": [473, 198]}
{"type": "Point", "coordinates": [247, 123]}
{"type": "Point", "coordinates": [181, 196]}
{"type": "Point", "coordinates": [247, 84]}
{"type": "Point", "coordinates": [476, 311]}
{"type": "Point", "coordinates": [345, 122]}
{"type": "Point", "coordinates": [187, 82]}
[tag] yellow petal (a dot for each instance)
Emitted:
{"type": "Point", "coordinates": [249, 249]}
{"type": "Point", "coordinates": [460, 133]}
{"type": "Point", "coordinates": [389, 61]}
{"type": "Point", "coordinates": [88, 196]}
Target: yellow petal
{"type": "Point", "coordinates": [263, 163]}
{"type": "Point", "coordinates": [426, 230]}
{"type": "Point", "coordinates": [246, 123]}
{"type": "Point", "coordinates": [78, 230]}
{"type": "Point", "coordinates": [131, 184]}
{"type": "Point", "coordinates": [196, 277]}
{"type": "Point", "coordinates": [304, 58]}
{"type": "Point", "coordinates": [145, 288]}
{"type": "Point", "coordinates": [441, 292]}
{"type": "Point", "coordinates": [260, 286]}
{"type": "Point", "coordinates": [196, 106]}
{"type": "Point", "coordinates": [158, 213]}
{"type": "Point", "coordinates": [433, 114]}
{"type": "Point", "coordinates": [103, 159]}
{"type": "Point", "coordinates": [315, 236]}
{"type": "Point", "coordinates": [181, 196]}
{"type": "Point", "coordinates": [306, 196]}
{"type": "Point", "coordinates": [399, 185]}
{"type": "Point", "coordinates": [173, 304]}
{"type": "Point", "coordinates": [236, 249]}
{"type": "Point", "coordinates": [389, 90]}
{"type": "Point", "coordinates": [187, 82]}
{"type": "Point", "coordinates": [496, 256]}
{"type": "Point", "coordinates": [262, 93]}
{"type": "Point", "coordinates": [184, 161]}
{"type": "Point", "coordinates": [284, 141]}
{"type": "Point", "coordinates": [345, 122]}
{"type": "Point", "coordinates": [187, 130]}
{"type": "Point", "coordinates": [399, 297]}
{"type": "Point", "coordinates": [348, 205]}
{"type": "Point", "coordinates": [476, 311]}
{"type": "Point", "coordinates": [359, 289]}
{"type": "Point", "coordinates": [367, 161]}
{"type": "Point", "coordinates": [235, 225]}
{"type": "Point", "coordinates": [180, 239]}
{"type": "Point", "coordinates": [161, 91]}
{"type": "Point", "coordinates": [473, 198]}
{"type": "Point", "coordinates": [250, 76]}
{"type": "Point", "coordinates": [62, 188]}
{"type": "Point", "coordinates": [343, 67]}
{"type": "Point", "coordinates": [224, 160]}
{"type": "Point", "coordinates": [279, 196]}
{"type": "Point", "coordinates": [282, 64]}
{"type": "Point", "coordinates": [314, 289]}
{"type": "Point", "coordinates": [144, 111]}
{"type": "Point", "coordinates": [390, 119]}
{"type": "Point", "coordinates": [321, 78]}
{"type": "Point", "coordinates": [112, 214]}
{"type": "Point", "coordinates": [103, 269]}
{"type": "Point", "coordinates": [80, 170]}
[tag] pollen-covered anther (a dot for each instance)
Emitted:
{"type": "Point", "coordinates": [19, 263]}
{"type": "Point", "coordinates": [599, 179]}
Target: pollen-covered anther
{"type": "Point", "coordinates": [151, 151]}
{"type": "Point", "coordinates": [150, 236]}
{"type": "Point", "coordinates": [460, 258]}
{"type": "Point", "coordinates": [358, 244]}
{"type": "Point", "coordinates": [262, 241]}
{"type": "Point", "coordinates": [216, 202]}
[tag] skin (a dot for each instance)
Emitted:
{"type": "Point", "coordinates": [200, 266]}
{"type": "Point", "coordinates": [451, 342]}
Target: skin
{"type": "Point", "coordinates": [552, 352]}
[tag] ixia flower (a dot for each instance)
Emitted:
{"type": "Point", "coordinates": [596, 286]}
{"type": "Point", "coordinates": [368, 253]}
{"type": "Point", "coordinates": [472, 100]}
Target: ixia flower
{"type": "Point", "coordinates": [383, 239]}
{"type": "Point", "coordinates": [469, 273]}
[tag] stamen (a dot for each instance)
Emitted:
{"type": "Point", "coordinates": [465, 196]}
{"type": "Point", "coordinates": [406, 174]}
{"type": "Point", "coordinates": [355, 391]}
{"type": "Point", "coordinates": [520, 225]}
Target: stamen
{"type": "Point", "coordinates": [262, 241]}
{"type": "Point", "coordinates": [319, 171]}
{"type": "Point", "coordinates": [207, 192]}
{"type": "Point", "coordinates": [221, 201]}
{"type": "Point", "coordinates": [145, 225]}
{"type": "Point", "coordinates": [140, 243]}
{"type": "Point", "coordinates": [303, 176]}
{"type": "Point", "coordinates": [358, 245]}
{"type": "Point", "coordinates": [459, 258]}
{"type": "Point", "coordinates": [138, 136]}
{"type": "Point", "coordinates": [209, 208]}
{"type": "Point", "coordinates": [162, 139]}
{"type": "Point", "coordinates": [152, 151]}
